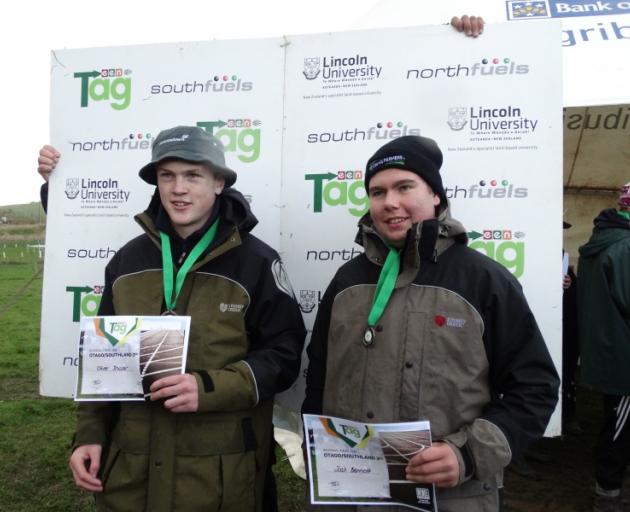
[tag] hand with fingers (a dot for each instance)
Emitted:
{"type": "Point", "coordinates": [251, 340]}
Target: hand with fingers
{"type": "Point", "coordinates": [47, 161]}
{"type": "Point", "coordinates": [179, 392]}
{"type": "Point", "coordinates": [437, 465]}
{"type": "Point", "coordinates": [85, 462]}
{"type": "Point", "coordinates": [472, 26]}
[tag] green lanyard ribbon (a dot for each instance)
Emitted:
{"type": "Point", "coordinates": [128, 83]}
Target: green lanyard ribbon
{"type": "Point", "coordinates": [385, 286]}
{"type": "Point", "coordinates": [167, 264]}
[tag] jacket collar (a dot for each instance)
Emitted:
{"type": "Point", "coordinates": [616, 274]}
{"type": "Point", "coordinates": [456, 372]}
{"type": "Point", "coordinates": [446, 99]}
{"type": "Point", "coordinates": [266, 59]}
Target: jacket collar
{"type": "Point", "coordinates": [424, 243]}
{"type": "Point", "coordinates": [235, 219]}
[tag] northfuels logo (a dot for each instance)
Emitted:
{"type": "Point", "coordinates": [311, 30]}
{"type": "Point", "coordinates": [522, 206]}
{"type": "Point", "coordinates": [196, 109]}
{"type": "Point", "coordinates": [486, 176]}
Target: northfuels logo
{"type": "Point", "coordinates": [241, 136]}
{"type": "Point", "coordinates": [113, 85]}
{"type": "Point", "coordinates": [218, 83]}
{"type": "Point", "coordinates": [130, 142]}
{"type": "Point", "coordinates": [487, 189]}
{"type": "Point", "coordinates": [381, 131]}
{"type": "Point", "coordinates": [486, 67]}
{"type": "Point", "coordinates": [490, 120]}
{"type": "Point", "coordinates": [502, 245]}
{"type": "Point", "coordinates": [340, 69]}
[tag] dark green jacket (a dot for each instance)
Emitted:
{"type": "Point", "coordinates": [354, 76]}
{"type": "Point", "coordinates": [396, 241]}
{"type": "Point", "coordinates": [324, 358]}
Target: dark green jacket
{"type": "Point", "coordinates": [245, 345]}
{"type": "Point", "coordinates": [604, 305]}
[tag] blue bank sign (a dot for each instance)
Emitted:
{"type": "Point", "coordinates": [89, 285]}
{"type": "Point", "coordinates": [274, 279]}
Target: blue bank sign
{"type": "Point", "coordinates": [564, 9]}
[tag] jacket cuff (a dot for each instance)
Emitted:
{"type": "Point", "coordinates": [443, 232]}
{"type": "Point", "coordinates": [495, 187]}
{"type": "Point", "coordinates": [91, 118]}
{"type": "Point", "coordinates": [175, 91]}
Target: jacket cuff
{"type": "Point", "coordinates": [464, 458]}
{"type": "Point", "coordinates": [88, 435]}
{"type": "Point", "coordinates": [232, 388]}
{"type": "Point", "coordinates": [483, 444]}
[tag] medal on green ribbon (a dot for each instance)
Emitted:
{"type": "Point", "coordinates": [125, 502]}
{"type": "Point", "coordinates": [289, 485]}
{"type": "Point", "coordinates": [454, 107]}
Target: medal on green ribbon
{"type": "Point", "coordinates": [171, 290]}
{"type": "Point", "coordinates": [382, 294]}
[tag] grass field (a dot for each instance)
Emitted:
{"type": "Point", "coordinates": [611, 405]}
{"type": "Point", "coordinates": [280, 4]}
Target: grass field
{"type": "Point", "coordinates": [35, 432]}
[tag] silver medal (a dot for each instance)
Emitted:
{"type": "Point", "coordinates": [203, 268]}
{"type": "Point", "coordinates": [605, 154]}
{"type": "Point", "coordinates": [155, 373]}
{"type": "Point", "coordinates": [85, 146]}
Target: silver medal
{"type": "Point", "coordinates": [368, 336]}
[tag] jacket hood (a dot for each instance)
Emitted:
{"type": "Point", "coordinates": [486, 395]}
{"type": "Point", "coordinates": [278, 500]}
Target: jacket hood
{"type": "Point", "coordinates": [234, 210]}
{"type": "Point", "coordinates": [610, 227]}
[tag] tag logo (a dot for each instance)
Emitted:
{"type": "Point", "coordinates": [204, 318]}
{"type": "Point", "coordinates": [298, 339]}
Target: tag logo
{"type": "Point", "coordinates": [117, 333]}
{"type": "Point", "coordinates": [107, 84]}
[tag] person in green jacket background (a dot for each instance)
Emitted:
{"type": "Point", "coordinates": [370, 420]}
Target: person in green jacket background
{"type": "Point", "coordinates": [604, 306]}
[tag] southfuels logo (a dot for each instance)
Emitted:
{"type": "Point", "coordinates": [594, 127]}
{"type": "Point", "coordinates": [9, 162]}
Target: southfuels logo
{"type": "Point", "coordinates": [502, 245]}
{"type": "Point", "coordinates": [487, 189]}
{"type": "Point", "coordinates": [380, 131]}
{"type": "Point", "coordinates": [112, 84]}
{"type": "Point", "coordinates": [216, 84]}
{"type": "Point", "coordinates": [342, 188]}
{"type": "Point", "coordinates": [494, 66]}
{"type": "Point", "coordinates": [240, 136]}
{"type": "Point", "coordinates": [85, 300]}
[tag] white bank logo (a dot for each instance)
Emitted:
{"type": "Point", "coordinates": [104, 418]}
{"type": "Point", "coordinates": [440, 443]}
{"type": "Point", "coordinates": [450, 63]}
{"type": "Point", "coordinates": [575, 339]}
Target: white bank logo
{"type": "Point", "coordinates": [96, 193]}
{"type": "Point", "coordinates": [483, 122]}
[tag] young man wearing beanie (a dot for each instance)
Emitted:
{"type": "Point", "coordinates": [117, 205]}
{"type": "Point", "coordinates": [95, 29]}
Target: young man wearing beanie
{"type": "Point", "coordinates": [604, 308]}
{"type": "Point", "coordinates": [420, 327]}
{"type": "Point", "coordinates": [202, 440]}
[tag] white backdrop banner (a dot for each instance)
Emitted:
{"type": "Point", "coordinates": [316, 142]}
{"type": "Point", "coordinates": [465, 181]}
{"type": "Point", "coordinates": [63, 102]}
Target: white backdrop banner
{"type": "Point", "coordinates": [595, 37]}
{"type": "Point", "coordinates": [299, 117]}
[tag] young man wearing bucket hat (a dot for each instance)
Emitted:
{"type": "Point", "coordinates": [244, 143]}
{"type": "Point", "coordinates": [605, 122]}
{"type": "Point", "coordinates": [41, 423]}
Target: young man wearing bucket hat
{"type": "Point", "coordinates": [420, 327]}
{"type": "Point", "coordinates": [604, 317]}
{"type": "Point", "coordinates": [202, 441]}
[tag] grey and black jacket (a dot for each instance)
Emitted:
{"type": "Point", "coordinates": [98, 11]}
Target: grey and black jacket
{"type": "Point", "coordinates": [456, 345]}
{"type": "Point", "coordinates": [245, 345]}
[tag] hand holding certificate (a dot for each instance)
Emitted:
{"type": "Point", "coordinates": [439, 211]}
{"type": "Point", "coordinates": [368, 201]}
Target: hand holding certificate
{"type": "Point", "coordinates": [121, 356]}
{"type": "Point", "coordinates": [358, 463]}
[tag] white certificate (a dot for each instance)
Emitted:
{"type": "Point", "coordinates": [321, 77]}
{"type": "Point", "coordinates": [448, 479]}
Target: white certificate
{"type": "Point", "coordinates": [361, 463]}
{"type": "Point", "coordinates": [121, 356]}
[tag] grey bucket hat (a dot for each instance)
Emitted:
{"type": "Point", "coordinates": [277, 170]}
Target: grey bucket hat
{"type": "Point", "coordinates": [189, 143]}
